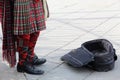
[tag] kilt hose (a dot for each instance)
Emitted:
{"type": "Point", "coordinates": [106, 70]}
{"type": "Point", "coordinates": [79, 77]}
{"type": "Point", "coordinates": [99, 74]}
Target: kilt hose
{"type": "Point", "coordinates": [25, 46]}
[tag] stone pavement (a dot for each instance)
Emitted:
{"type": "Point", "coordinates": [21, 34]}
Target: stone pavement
{"type": "Point", "coordinates": [71, 23]}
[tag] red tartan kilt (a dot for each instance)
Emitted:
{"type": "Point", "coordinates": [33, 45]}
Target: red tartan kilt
{"type": "Point", "coordinates": [28, 17]}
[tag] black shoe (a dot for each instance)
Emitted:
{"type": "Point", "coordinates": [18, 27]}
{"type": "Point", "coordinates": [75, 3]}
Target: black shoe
{"type": "Point", "coordinates": [28, 68]}
{"type": "Point", "coordinates": [37, 61]}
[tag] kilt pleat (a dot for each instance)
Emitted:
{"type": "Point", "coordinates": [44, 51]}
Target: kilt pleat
{"type": "Point", "coordinates": [28, 17]}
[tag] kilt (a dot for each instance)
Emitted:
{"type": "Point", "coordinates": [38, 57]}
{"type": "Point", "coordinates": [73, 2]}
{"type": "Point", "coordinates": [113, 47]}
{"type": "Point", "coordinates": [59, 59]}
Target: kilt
{"type": "Point", "coordinates": [28, 17]}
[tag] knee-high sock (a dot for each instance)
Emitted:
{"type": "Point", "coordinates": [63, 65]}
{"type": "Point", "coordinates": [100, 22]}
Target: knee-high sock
{"type": "Point", "coordinates": [32, 42]}
{"type": "Point", "coordinates": [25, 45]}
{"type": "Point", "coordinates": [22, 46]}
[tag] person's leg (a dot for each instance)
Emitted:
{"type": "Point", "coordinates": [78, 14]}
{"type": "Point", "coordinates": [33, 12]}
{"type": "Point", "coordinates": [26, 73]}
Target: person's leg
{"type": "Point", "coordinates": [33, 40]}
{"type": "Point", "coordinates": [24, 64]}
{"type": "Point", "coordinates": [32, 43]}
{"type": "Point", "coordinates": [22, 46]}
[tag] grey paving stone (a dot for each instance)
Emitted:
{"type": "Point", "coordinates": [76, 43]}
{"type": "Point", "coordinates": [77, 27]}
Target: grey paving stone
{"type": "Point", "coordinates": [10, 73]}
{"type": "Point", "coordinates": [111, 75]}
{"type": "Point", "coordinates": [106, 27]}
{"type": "Point", "coordinates": [114, 34]}
{"type": "Point", "coordinates": [55, 57]}
{"type": "Point", "coordinates": [87, 24]}
{"type": "Point", "coordinates": [47, 67]}
{"type": "Point", "coordinates": [65, 72]}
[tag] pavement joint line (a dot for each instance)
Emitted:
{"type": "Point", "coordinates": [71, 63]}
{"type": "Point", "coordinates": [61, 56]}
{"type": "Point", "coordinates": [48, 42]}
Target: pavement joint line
{"type": "Point", "coordinates": [88, 75]}
{"type": "Point", "coordinates": [95, 26]}
{"type": "Point", "coordinates": [56, 66]}
{"type": "Point", "coordinates": [51, 70]}
{"type": "Point", "coordinates": [67, 23]}
{"type": "Point", "coordinates": [48, 31]}
{"type": "Point", "coordinates": [90, 32]}
{"type": "Point", "coordinates": [86, 18]}
{"type": "Point", "coordinates": [25, 76]}
{"type": "Point", "coordinates": [82, 18]}
{"type": "Point", "coordinates": [71, 25]}
{"type": "Point", "coordinates": [54, 62]}
{"type": "Point", "coordinates": [106, 20]}
{"type": "Point", "coordinates": [110, 29]}
{"type": "Point", "coordinates": [86, 11]}
{"type": "Point", "coordinates": [63, 45]}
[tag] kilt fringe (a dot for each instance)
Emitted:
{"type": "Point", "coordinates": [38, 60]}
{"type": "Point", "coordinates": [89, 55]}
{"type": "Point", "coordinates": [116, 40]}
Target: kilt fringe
{"type": "Point", "coordinates": [10, 57]}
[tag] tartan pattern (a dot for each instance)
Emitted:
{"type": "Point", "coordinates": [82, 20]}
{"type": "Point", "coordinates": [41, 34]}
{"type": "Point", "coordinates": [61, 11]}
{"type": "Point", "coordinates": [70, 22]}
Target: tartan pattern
{"type": "Point", "coordinates": [10, 30]}
{"type": "Point", "coordinates": [26, 45]}
{"type": "Point", "coordinates": [1, 9]}
{"type": "Point", "coordinates": [28, 17]}
{"type": "Point", "coordinates": [32, 42]}
{"type": "Point", "coordinates": [8, 37]}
